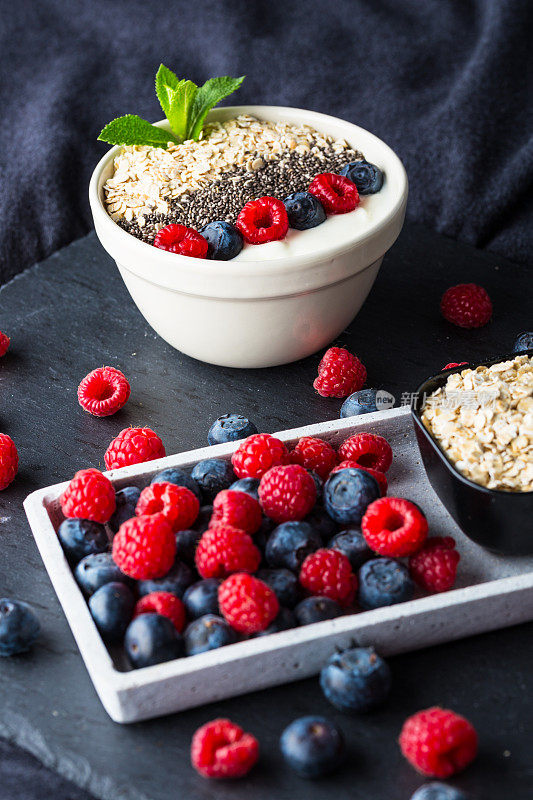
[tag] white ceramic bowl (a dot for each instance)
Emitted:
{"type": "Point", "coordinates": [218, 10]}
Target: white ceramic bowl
{"type": "Point", "coordinates": [258, 313]}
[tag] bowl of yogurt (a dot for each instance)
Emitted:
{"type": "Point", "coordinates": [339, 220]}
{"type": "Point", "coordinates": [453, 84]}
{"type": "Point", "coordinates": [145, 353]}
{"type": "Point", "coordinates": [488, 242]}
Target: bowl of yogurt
{"type": "Point", "coordinates": [273, 303]}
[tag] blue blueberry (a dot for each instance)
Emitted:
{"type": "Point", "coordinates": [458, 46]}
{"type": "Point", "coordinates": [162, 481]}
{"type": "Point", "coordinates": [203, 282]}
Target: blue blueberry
{"type": "Point", "coordinates": [348, 493]}
{"type": "Point", "coordinates": [367, 177]}
{"type": "Point", "coordinates": [317, 609]}
{"type": "Point", "coordinates": [178, 578]}
{"type": "Point", "coordinates": [304, 211]}
{"type": "Point", "coordinates": [81, 537]}
{"type": "Point", "coordinates": [224, 240]}
{"type": "Point", "coordinates": [284, 621]}
{"type": "Point", "coordinates": [262, 536]}
{"type": "Point", "coordinates": [438, 791]}
{"type": "Point", "coordinates": [152, 639]}
{"type": "Point", "coordinates": [248, 485]}
{"type": "Point", "coordinates": [353, 544]}
{"type": "Point", "coordinates": [312, 746]}
{"type": "Point", "coordinates": [186, 544]}
{"type": "Point", "coordinates": [322, 523]}
{"type": "Point", "coordinates": [366, 401]}
{"type": "Point", "coordinates": [126, 501]}
{"type": "Point", "coordinates": [384, 582]}
{"type": "Point", "coordinates": [290, 543]}
{"type": "Point", "coordinates": [201, 523]}
{"type": "Point", "coordinates": [230, 428]}
{"type": "Point", "coordinates": [179, 478]}
{"type": "Point", "coordinates": [284, 584]}
{"type": "Point", "coordinates": [356, 680]}
{"type": "Point", "coordinates": [96, 570]}
{"type": "Point", "coordinates": [319, 483]}
{"type": "Point", "coordinates": [213, 475]}
{"type": "Point", "coordinates": [524, 341]}
{"type": "Point", "coordinates": [208, 633]}
{"type": "Point", "coordinates": [111, 607]}
{"type": "Point", "coordinates": [202, 598]}
{"type": "Point", "coordinates": [19, 627]}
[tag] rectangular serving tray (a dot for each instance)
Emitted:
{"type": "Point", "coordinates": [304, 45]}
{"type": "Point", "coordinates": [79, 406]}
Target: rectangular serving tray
{"type": "Point", "coordinates": [492, 592]}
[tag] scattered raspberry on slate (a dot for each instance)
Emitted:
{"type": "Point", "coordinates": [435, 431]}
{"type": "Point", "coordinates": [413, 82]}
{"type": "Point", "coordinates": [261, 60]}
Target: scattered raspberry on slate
{"type": "Point", "coordinates": [164, 603]}
{"type": "Point", "coordinates": [287, 493]}
{"type": "Point", "coordinates": [337, 194]}
{"type": "Point", "coordinates": [89, 495]}
{"type": "Point", "coordinates": [394, 527]}
{"type": "Point", "coordinates": [328, 573]}
{"type": "Point", "coordinates": [453, 364]}
{"type": "Point", "coordinates": [177, 503]}
{"type": "Point", "coordinates": [263, 220]}
{"type": "Point", "coordinates": [315, 455]}
{"type": "Point", "coordinates": [181, 240]}
{"type": "Point", "coordinates": [339, 373]}
{"type": "Point", "coordinates": [103, 392]}
{"type": "Point", "coordinates": [438, 743]}
{"type": "Point", "coordinates": [376, 473]}
{"type": "Point", "coordinates": [238, 509]}
{"type": "Point", "coordinates": [367, 450]}
{"type": "Point", "coordinates": [466, 305]}
{"type": "Point", "coordinates": [133, 446]}
{"type": "Point", "coordinates": [9, 460]}
{"type": "Point", "coordinates": [257, 454]}
{"type": "Point", "coordinates": [4, 343]}
{"type": "Point", "coordinates": [223, 550]}
{"type": "Point", "coordinates": [247, 603]}
{"type": "Point", "coordinates": [221, 749]}
{"type": "Point", "coordinates": [145, 547]}
{"type": "Point", "coordinates": [434, 567]}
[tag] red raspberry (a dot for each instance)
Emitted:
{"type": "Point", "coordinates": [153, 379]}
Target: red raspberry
{"type": "Point", "coordinates": [394, 527]}
{"type": "Point", "coordinates": [177, 503]}
{"type": "Point", "coordinates": [339, 373]}
{"type": "Point", "coordinates": [434, 567]}
{"type": "Point", "coordinates": [256, 454]}
{"type": "Point", "coordinates": [337, 194]}
{"type": "Point", "coordinates": [263, 220]}
{"type": "Point", "coordinates": [248, 604]}
{"type": "Point", "coordinates": [467, 305]}
{"type": "Point", "coordinates": [367, 450]}
{"type": "Point", "coordinates": [181, 240]}
{"type": "Point", "coordinates": [220, 749]}
{"type": "Point", "coordinates": [238, 510]}
{"type": "Point", "coordinates": [452, 365]}
{"type": "Point", "coordinates": [287, 493]}
{"type": "Point", "coordinates": [9, 460]}
{"type": "Point", "coordinates": [314, 454]}
{"type": "Point", "coordinates": [89, 495]}
{"type": "Point", "coordinates": [438, 743]}
{"type": "Point", "coordinates": [164, 603]}
{"type": "Point", "coordinates": [4, 343]}
{"type": "Point", "coordinates": [145, 547]}
{"type": "Point", "coordinates": [133, 446]}
{"type": "Point", "coordinates": [379, 476]}
{"type": "Point", "coordinates": [103, 391]}
{"type": "Point", "coordinates": [223, 550]}
{"type": "Point", "coordinates": [328, 573]}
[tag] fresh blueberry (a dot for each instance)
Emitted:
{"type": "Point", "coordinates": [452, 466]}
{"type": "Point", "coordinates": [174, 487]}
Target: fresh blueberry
{"type": "Point", "coordinates": [248, 485]}
{"type": "Point", "coordinates": [384, 582]}
{"type": "Point", "coordinates": [290, 543]}
{"type": "Point", "coordinates": [348, 493]}
{"type": "Point", "coordinates": [19, 627]}
{"type": "Point", "coordinates": [356, 680]}
{"type": "Point", "coordinates": [201, 523]}
{"type": "Point", "coordinates": [202, 598]}
{"type": "Point", "coordinates": [353, 544]}
{"type": "Point", "coordinates": [312, 746]}
{"type": "Point", "coordinates": [262, 536]}
{"type": "Point", "coordinates": [367, 177]}
{"type": "Point", "coordinates": [208, 633]}
{"type": "Point", "coordinates": [524, 341]}
{"type": "Point", "coordinates": [304, 211]}
{"type": "Point", "coordinates": [317, 609]}
{"type": "Point", "coordinates": [152, 639]}
{"type": "Point", "coordinates": [213, 475]}
{"type": "Point", "coordinates": [96, 570]}
{"type": "Point", "coordinates": [177, 579]}
{"type": "Point", "coordinates": [438, 791]}
{"type": "Point", "coordinates": [179, 478]}
{"type": "Point", "coordinates": [366, 401]}
{"type": "Point", "coordinates": [284, 621]}
{"type": "Point", "coordinates": [186, 544]}
{"type": "Point", "coordinates": [126, 502]}
{"type": "Point", "coordinates": [284, 584]}
{"type": "Point", "coordinates": [111, 607]}
{"type": "Point", "coordinates": [223, 239]}
{"type": "Point", "coordinates": [229, 428]}
{"type": "Point", "coordinates": [322, 523]}
{"type": "Point", "coordinates": [319, 483]}
{"type": "Point", "coordinates": [81, 537]}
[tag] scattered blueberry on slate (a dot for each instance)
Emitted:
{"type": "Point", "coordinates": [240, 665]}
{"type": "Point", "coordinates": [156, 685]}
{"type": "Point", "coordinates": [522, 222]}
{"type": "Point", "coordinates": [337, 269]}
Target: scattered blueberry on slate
{"type": "Point", "coordinates": [304, 211]}
{"type": "Point", "coordinates": [312, 746]}
{"type": "Point", "coordinates": [367, 177]}
{"type": "Point", "coordinates": [111, 607]}
{"type": "Point", "coordinates": [317, 609]}
{"type": "Point", "coordinates": [284, 584]}
{"type": "Point", "coordinates": [223, 239]}
{"type": "Point", "coordinates": [179, 478]}
{"type": "Point", "coordinates": [524, 341]}
{"type": "Point", "coordinates": [19, 627]}
{"type": "Point", "coordinates": [356, 680]}
{"type": "Point", "coordinates": [284, 621]}
{"type": "Point", "coordinates": [348, 493]}
{"type": "Point", "coordinates": [322, 523]}
{"type": "Point", "coordinates": [186, 544]}
{"type": "Point", "coordinates": [230, 428]}
{"type": "Point", "coordinates": [202, 598]}
{"type": "Point", "coordinates": [213, 475]}
{"type": "Point", "coordinates": [178, 578]}
{"type": "Point", "coordinates": [366, 401]}
{"type": "Point", "coordinates": [81, 537]}
{"type": "Point", "coordinates": [96, 570]}
{"type": "Point", "coordinates": [248, 485]}
{"type": "Point", "coordinates": [126, 501]}
{"type": "Point", "coordinates": [353, 544]}
{"type": "Point", "coordinates": [384, 582]}
{"type": "Point", "coordinates": [438, 791]}
{"type": "Point", "coordinates": [152, 639]}
{"type": "Point", "coordinates": [208, 633]}
{"type": "Point", "coordinates": [201, 523]}
{"type": "Point", "coordinates": [290, 543]}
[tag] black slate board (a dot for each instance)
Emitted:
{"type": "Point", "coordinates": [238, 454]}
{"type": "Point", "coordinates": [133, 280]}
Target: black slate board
{"type": "Point", "coordinates": [70, 314]}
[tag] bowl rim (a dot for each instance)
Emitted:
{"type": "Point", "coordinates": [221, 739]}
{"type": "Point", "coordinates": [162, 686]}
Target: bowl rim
{"type": "Point", "coordinates": [416, 411]}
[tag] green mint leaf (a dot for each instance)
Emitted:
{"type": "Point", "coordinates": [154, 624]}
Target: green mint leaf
{"type": "Point", "coordinates": [131, 129]}
{"type": "Point", "coordinates": [207, 96]}
{"type": "Point", "coordinates": [176, 98]}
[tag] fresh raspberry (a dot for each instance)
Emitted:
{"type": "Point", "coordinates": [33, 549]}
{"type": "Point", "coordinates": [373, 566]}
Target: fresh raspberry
{"type": "Point", "coordinates": [237, 509]}
{"type": "Point", "coordinates": [263, 220]}
{"type": "Point", "coordinates": [181, 240]}
{"type": "Point", "coordinates": [367, 450]}
{"type": "Point", "coordinates": [223, 550]}
{"type": "Point", "coordinates": [434, 567]}
{"type": "Point", "coordinates": [257, 454]}
{"type": "Point", "coordinates": [314, 454]}
{"type": "Point", "coordinates": [145, 547]}
{"type": "Point", "coordinates": [337, 194]}
{"type": "Point", "coordinates": [4, 343]}
{"type": "Point", "coordinates": [339, 373]}
{"type": "Point", "coordinates": [103, 391]}
{"type": "Point", "coordinates": [89, 495]}
{"type": "Point", "coordinates": [379, 476]}
{"type": "Point", "coordinates": [467, 305]}
{"type": "Point", "coordinates": [328, 573]}
{"type": "Point", "coordinates": [164, 603]}
{"type": "Point", "coordinates": [248, 604]}
{"type": "Point", "coordinates": [394, 527]}
{"type": "Point", "coordinates": [133, 446]}
{"type": "Point", "coordinates": [287, 493]}
{"type": "Point", "coordinates": [177, 503]}
{"type": "Point", "coordinates": [452, 365]}
{"type": "Point", "coordinates": [9, 460]}
{"type": "Point", "coordinates": [221, 749]}
{"type": "Point", "coordinates": [437, 742]}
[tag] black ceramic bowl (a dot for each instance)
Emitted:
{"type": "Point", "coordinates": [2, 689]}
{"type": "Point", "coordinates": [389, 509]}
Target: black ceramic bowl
{"type": "Point", "coordinates": [500, 521]}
